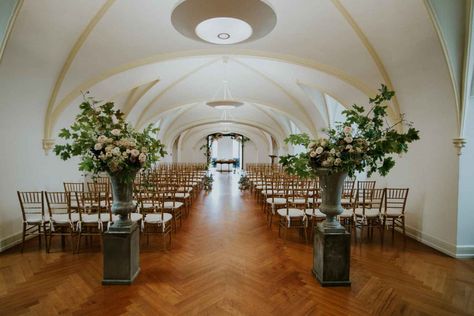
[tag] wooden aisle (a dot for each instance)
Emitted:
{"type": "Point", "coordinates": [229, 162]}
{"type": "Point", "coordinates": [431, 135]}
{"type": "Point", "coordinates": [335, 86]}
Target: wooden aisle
{"type": "Point", "coordinates": [225, 260]}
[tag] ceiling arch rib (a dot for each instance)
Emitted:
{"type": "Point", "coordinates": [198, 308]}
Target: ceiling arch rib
{"type": "Point", "coordinates": [50, 119]}
{"type": "Point", "coordinates": [53, 114]}
{"type": "Point", "coordinates": [256, 103]}
{"type": "Point", "coordinates": [394, 110]}
{"type": "Point", "coordinates": [173, 133]}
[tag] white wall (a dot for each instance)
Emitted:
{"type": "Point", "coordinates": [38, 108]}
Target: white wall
{"type": "Point", "coordinates": [465, 220]}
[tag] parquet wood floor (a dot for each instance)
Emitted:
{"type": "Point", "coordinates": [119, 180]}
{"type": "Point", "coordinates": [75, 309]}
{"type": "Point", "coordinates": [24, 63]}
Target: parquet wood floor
{"type": "Point", "coordinates": [225, 260]}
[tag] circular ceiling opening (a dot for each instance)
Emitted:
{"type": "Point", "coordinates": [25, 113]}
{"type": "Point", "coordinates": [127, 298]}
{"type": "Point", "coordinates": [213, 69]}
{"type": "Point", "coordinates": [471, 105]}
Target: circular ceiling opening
{"type": "Point", "coordinates": [223, 22]}
{"type": "Point", "coordinates": [223, 30]}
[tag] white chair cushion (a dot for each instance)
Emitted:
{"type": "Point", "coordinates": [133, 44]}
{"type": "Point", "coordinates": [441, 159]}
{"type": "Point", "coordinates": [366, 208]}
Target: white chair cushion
{"type": "Point", "coordinates": [347, 213]}
{"type": "Point", "coordinates": [170, 204]}
{"type": "Point", "coordinates": [297, 200]}
{"type": "Point", "coordinates": [315, 213]}
{"type": "Point", "coordinates": [157, 218]}
{"type": "Point", "coordinates": [393, 214]}
{"type": "Point", "coordinates": [292, 212]}
{"type": "Point", "coordinates": [369, 212]}
{"type": "Point", "coordinates": [345, 201]}
{"type": "Point", "coordinates": [63, 218]}
{"type": "Point", "coordinates": [182, 195]}
{"type": "Point", "coordinates": [90, 218]}
{"type": "Point", "coordinates": [135, 217]}
{"type": "Point", "coordinates": [35, 218]}
{"type": "Point", "coordinates": [276, 201]}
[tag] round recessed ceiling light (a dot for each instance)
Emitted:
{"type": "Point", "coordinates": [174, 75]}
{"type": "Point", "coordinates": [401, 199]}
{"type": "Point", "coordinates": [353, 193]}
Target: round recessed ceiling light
{"type": "Point", "coordinates": [223, 22]}
{"type": "Point", "coordinates": [224, 104]}
{"type": "Point", "coordinates": [223, 30]}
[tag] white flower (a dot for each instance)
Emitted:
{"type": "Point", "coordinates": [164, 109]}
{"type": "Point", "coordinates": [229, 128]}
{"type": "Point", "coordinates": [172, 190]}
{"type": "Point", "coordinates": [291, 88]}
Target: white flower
{"type": "Point", "coordinates": [115, 132]}
{"type": "Point", "coordinates": [102, 139]}
{"type": "Point", "coordinates": [144, 150]}
{"type": "Point", "coordinates": [332, 151]}
{"type": "Point", "coordinates": [347, 130]}
{"type": "Point", "coordinates": [124, 154]}
{"type": "Point", "coordinates": [142, 158]}
{"type": "Point", "coordinates": [348, 139]}
{"type": "Point", "coordinates": [134, 152]}
{"type": "Point", "coordinates": [109, 148]}
{"type": "Point", "coordinates": [312, 145]}
{"type": "Point", "coordinates": [116, 151]}
{"type": "Point", "coordinates": [323, 142]}
{"type": "Point", "coordinates": [358, 149]}
{"type": "Point", "coordinates": [349, 147]}
{"type": "Point", "coordinates": [330, 159]}
{"type": "Point", "coordinates": [110, 140]}
{"type": "Point", "coordinates": [337, 162]}
{"type": "Point", "coordinates": [102, 157]}
{"type": "Point", "coordinates": [325, 163]}
{"type": "Point", "coordinates": [313, 154]}
{"type": "Point", "coordinates": [98, 146]}
{"type": "Point", "coordinates": [319, 150]}
{"type": "Point", "coordinates": [108, 154]}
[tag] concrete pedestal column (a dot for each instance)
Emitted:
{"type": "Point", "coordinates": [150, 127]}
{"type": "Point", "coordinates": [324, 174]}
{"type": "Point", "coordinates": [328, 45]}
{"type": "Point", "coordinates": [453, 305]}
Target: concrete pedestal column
{"type": "Point", "coordinates": [121, 254]}
{"type": "Point", "coordinates": [331, 256]}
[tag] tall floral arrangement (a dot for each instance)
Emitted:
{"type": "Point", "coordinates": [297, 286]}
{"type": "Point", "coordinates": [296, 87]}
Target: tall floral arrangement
{"type": "Point", "coordinates": [106, 142]}
{"type": "Point", "coordinates": [365, 141]}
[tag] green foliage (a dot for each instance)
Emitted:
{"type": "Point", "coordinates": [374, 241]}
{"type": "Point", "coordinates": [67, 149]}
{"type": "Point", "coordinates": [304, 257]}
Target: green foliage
{"type": "Point", "coordinates": [244, 182]}
{"type": "Point", "coordinates": [106, 143]}
{"type": "Point", "coordinates": [363, 142]}
{"type": "Point", "coordinates": [208, 180]}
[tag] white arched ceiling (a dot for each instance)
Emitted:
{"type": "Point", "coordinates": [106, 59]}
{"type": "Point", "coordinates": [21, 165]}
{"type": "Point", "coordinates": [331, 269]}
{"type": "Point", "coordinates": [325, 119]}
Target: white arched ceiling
{"type": "Point", "coordinates": [342, 44]}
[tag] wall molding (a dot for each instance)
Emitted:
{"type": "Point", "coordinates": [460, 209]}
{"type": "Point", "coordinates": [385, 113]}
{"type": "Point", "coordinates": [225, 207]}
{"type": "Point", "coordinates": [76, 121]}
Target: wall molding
{"type": "Point", "coordinates": [12, 240]}
{"type": "Point", "coordinates": [458, 252]}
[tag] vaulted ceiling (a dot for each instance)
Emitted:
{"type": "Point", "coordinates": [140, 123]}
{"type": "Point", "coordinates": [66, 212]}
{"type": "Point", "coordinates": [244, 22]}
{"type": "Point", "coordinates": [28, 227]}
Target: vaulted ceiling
{"type": "Point", "coordinates": [129, 52]}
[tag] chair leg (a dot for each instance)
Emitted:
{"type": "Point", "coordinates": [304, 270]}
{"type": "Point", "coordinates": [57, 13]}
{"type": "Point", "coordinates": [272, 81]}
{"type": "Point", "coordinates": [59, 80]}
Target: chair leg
{"type": "Point", "coordinates": [39, 236]}
{"type": "Point", "coordinates": [23, 238]}
{"type": "Point", "coordinates": [78, 246]}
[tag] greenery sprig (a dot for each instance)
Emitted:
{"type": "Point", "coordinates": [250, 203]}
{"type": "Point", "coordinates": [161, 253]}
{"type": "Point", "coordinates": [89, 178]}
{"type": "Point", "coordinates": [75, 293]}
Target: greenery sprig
{"type": "Point", "coordinates": [363, 142]}
{"type": "Point", "coordinates": [106, 143]}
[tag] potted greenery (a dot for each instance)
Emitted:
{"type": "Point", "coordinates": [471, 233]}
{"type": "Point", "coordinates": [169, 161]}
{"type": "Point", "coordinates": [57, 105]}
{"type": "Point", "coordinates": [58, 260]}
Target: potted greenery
{"type": "Point", "coordinates": [363, 142]}
{"type": "Point", "coordinates": [106, 143]}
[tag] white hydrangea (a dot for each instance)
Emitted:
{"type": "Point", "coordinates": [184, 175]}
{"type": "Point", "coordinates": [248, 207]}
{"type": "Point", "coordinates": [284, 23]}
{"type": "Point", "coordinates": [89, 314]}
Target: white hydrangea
{"type": "Point", "coordinates": [98, 146]}
{"type": "Point", "coordinates": [142, 157]}
{"type": "Point", "coordinates": [348, 139]}
{"type": "Point", "coordinates": [135, 153]}
{"type": "Point", "coordinates": [313, 154]}
{"type": "Point", "coordinates": [102, 139]}
{"type": "Point", "coordinates": [319, 150]}
{"type": "Point", "coordinates": [337, 162]}
{"type": "Point", "coordinates": [116, 151]}
{"type": "Point", "coordinates": [347, 130]}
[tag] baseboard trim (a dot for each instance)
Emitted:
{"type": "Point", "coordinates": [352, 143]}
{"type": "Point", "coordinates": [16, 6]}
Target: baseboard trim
{"type": "Point", "coordinates": [458, 252]}
{"type": "Point", "coordinates": [12, 241]}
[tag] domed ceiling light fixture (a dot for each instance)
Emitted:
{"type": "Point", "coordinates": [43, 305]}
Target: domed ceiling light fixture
{"type": "Point", "coordinates": [224, 22]}
{"type": "Point", "coordinates": [226, 103]}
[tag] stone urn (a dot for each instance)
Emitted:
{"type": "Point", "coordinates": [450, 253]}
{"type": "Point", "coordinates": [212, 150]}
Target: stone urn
{"type": "Point", "coordinates": [332, 185]}
{"type": "Point", "coordinates": [122, 195]}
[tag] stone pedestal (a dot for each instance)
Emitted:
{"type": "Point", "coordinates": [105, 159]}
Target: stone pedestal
{"type": "Point", "coordinates": [121, 254]}
{"type": "Point", "coordinates": [331, 256]}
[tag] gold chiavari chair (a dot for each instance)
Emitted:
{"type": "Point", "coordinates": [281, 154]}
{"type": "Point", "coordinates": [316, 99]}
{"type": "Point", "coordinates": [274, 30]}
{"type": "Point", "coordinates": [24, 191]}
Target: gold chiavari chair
{"type": "Point", "coordinates": [368, 211]}
{"type": "Point", "coordinates": [34, 218]}
{"type": "Point", "coordinates": [313, 213]}
{"type": "Point", "coordinates": [155, 221]}
{"type": "Point", "coordinates": [394, 209]}
{"type": "Point", "coordinates": [367, 187]}
{"type": "Point", "coordinates": [62, 220]}
{"type": "Point", "coordinates": [291, 217]}
{"type": "Point", "coordinates": [74, 187]}
{"type": "Point", "coordinates": [277, 199]}
{"type": "Point", "coordinates": [93, 219]}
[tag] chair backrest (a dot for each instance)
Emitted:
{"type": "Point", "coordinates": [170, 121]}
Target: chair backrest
{"type": "Point", "coordinates": [366, 188]}
{"type": "Point", "coordinates": [73, 186]}
{"type": "Point", "coordinates": [395, 200]}
{"type": "Point", "coordinates": [58, 202]}
{"type": "Point", "coordinates": [348, 190]}
{"type": "Point", "coordinates": [31, 203]}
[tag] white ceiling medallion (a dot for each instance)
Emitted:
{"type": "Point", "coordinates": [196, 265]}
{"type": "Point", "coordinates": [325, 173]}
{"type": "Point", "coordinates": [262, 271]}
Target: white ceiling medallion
{"type": "Point", "coordinates": [223, 22]}
{"type": "Point", "coordinates": [227, 102]}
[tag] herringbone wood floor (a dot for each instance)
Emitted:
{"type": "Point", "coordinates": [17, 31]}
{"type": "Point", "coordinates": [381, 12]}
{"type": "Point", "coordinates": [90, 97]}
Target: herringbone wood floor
{"type": "Point", "coordinates": [225, 260]}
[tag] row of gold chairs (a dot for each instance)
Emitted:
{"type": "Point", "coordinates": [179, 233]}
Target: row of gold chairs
{"type": "Point", "coordinates": [296, 202]}
{"type": "Point", "coordinates": [161, 198]}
